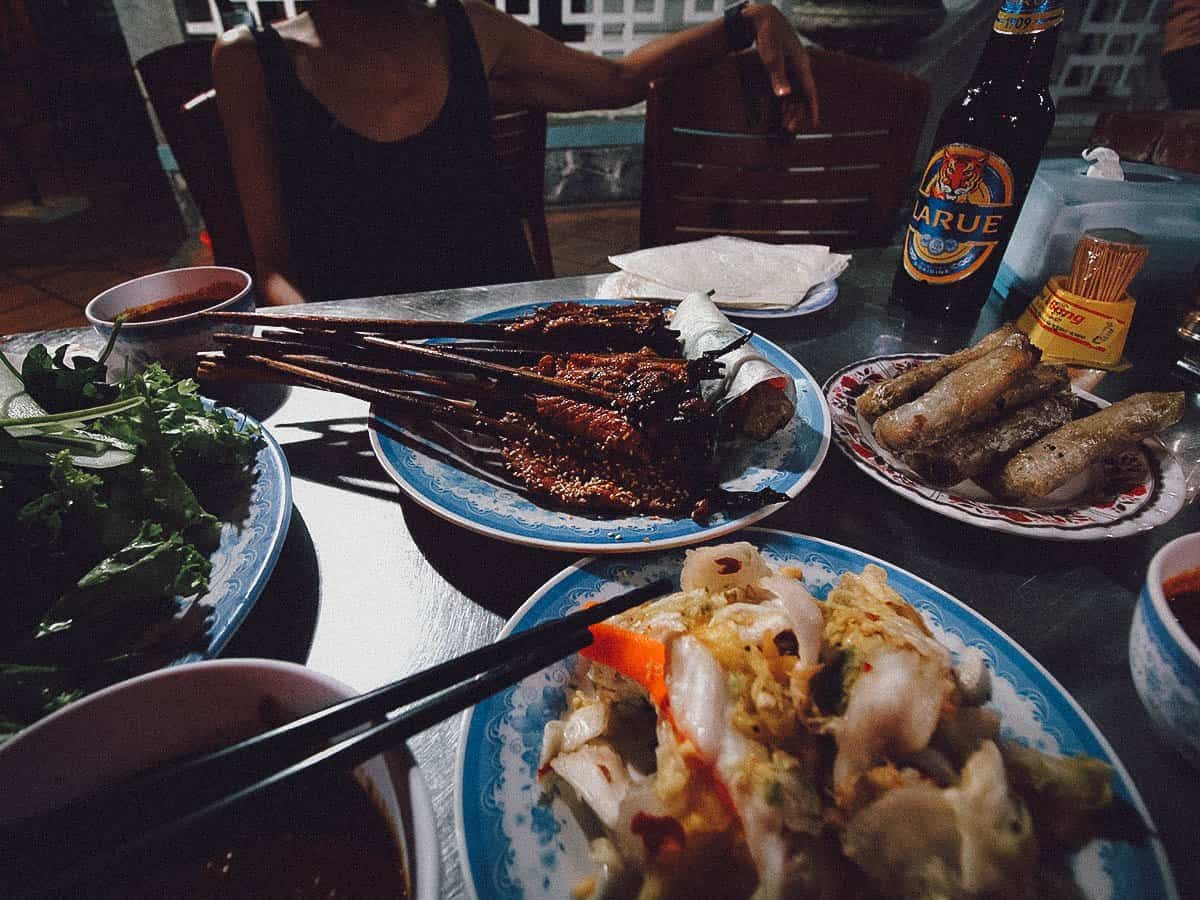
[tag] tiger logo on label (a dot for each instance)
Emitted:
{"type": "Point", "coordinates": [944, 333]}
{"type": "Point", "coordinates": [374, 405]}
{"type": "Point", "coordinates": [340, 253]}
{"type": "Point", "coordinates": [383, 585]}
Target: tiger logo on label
{"type": "Point", "coordinates": [960, 176]}
{"type": "Point", "coordinates": [965, 195]}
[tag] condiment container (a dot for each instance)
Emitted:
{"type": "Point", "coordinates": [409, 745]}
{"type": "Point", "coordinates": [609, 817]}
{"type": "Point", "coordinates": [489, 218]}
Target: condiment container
{"type": "Point", "coordinates": [1076, 330]}
{"type": "Point", "coordinates": [1164, 661]}
{"type": "Point", "coordinates": [168, 714]}
{"type": "Point", "coordinates": [173, 340]}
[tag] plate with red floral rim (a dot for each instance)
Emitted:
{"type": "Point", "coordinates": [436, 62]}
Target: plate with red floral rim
{"type": "Point", "coordinates": [1129, 494]}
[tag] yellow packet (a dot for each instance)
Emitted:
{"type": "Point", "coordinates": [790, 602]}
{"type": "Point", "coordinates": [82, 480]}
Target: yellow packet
{"type": "Point", "coordinates": [1077, 331]}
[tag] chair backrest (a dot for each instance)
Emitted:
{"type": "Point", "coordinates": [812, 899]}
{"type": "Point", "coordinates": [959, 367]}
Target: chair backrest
{"type": "Point", "coordinates": [520, 140]}
{"type": "Point", "coordinates": [178, 81]}
{"type": "Point", "coordinates": [717, 160]}
{"type": "Point", "coordinates": [1163, 137]}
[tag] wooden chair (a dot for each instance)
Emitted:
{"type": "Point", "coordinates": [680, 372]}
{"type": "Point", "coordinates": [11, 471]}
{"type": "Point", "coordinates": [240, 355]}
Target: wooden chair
{"type": "Point", "coordinates": [178, 80]}
{"type": "Point", "coordinates": [1164, 138]}
{"type": "Point", "coordinates": [718, 162]}
{"type": "Point", "coordinates": [520, 138]}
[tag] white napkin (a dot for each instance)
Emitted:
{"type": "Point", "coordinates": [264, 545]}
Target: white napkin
{"type": "Point", "coordinates": [746, 274]}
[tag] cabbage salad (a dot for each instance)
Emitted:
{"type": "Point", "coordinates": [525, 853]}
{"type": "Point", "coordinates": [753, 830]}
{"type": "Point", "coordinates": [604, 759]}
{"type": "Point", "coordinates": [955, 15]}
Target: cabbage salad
{"type": "Point", "coordinates": [741, 739]}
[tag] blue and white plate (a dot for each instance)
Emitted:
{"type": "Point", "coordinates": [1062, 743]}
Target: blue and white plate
{"type": "Point", "coordinates": [249, 549]}
{"type": "Point", "coordinates": [818, 297]}
{"type": "Point", "coordinates": [453, 487]}
{"type": "Point", "coordinates": [515, 846]}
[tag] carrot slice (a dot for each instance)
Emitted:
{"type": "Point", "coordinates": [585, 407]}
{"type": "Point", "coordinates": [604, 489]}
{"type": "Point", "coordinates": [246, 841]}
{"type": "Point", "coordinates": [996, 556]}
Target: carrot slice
{"type": "Point", "coordinates": [634, 655]}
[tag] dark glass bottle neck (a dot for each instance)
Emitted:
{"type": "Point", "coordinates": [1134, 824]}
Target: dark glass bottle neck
{"type": "Point", "coordinates": [1014, 58]}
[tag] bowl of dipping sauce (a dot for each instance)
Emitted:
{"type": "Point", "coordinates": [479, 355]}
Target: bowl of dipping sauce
{"type": "Point", "coordinates": [1164, 644]}
{"type": "Point", "coordinates": [369, 834]}
{"type": "Point", "coordinates": [161, 314]}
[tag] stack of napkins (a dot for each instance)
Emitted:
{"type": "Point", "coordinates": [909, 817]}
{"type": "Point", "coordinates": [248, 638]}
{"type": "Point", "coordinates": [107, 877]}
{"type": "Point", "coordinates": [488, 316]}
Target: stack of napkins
{"type": "Point", "coordinates": [744, 274]}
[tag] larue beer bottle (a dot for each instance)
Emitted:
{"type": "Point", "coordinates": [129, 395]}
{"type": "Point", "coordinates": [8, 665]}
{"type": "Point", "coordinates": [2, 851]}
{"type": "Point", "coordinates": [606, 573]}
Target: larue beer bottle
{"type": "Point", "coordinates": [984, 156]}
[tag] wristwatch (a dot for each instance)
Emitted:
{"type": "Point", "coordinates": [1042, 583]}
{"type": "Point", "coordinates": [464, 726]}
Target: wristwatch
{"type": "Point", "coordinates": [739, 31]}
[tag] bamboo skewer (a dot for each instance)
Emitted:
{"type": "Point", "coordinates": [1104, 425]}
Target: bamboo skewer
{"type": "Point", "coordinates": [413, 328]}
{"type": "Point", "coordinates": [453, 412]}
{"type": "Point", "coordinates": [420, 381]}
{"type": "Point", "coordinates": [440, 359]}
{"type": "Point", "coordinates": [246, 343]}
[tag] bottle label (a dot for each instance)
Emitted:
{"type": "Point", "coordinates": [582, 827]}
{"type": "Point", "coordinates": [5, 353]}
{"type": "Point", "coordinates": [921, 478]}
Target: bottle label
{"type": "Point", "coordinates": [965, 195]}
{"type": "Point", "coordinates": [1028, 16]}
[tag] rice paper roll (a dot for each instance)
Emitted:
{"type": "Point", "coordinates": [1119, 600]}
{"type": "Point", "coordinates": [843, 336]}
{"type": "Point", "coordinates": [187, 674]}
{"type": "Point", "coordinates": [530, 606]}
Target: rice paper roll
{"type": "Point", "coordinates": [760, 396]}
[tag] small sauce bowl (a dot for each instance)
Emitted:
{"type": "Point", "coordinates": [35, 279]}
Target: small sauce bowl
{"type": "Point", "coordinates": [173, 340]}
{"type": "Point", "coordinates": [1164, 661]}
{"type": "Point", "coordinates": [173, 713]}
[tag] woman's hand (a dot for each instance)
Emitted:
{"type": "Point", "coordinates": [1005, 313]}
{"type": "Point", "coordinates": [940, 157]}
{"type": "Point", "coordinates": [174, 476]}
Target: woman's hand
{"type": "Point", "coordinates": [787, 65]}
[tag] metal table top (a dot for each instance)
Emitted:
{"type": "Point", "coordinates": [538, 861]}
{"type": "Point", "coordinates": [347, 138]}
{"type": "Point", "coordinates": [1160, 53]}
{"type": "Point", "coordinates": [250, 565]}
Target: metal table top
{"type": "Point", "coordinates": [371, 587]}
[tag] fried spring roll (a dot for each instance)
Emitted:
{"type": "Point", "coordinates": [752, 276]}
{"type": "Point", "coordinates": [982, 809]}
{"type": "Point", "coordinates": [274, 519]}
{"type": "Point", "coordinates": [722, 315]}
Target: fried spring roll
{"type": "Point", "coordinates": [972, 453]}
{"type": "Point", "coordinates": [1061, 455]}
{"type": "Point", "coordinates": [949, 405]}
{"type": "Point", "coordinates": [895, 392]}
{"type": "Point", "coordinates": [1040, 381]}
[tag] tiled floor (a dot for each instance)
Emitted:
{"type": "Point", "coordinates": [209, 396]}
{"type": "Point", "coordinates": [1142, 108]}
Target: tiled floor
{"type": "Point", "coordinates": [34, 297]}
{"type": "Point", "coordinates": [581, 240]}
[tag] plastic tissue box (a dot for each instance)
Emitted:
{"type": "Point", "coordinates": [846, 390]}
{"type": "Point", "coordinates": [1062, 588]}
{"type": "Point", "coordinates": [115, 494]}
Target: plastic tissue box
{"type": "Point", "coordinates": [1162, 205]}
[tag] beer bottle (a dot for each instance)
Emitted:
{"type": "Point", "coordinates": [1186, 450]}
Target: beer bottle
{"type": "Point", "coordinates": [985, 153]}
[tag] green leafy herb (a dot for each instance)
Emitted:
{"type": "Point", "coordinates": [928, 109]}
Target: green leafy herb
{"type": "Point", "coordinates": [151, 489]}
{"type": "Point", "coordinates": [100, 529]}
{"type": "Point", "coordinates": [204, 442]}
{"type": "Point", "coordinates": [58, 386]}
{"type": "Point", "coordinates": [152, 566]}
{"type": "Point", "coordinates": [14, 452]}
{"type": "Point", "coordinates": [29, 692]}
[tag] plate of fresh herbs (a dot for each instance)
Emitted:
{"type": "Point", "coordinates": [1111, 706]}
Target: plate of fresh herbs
{"type": "Point", "coordinates": [139, 522]}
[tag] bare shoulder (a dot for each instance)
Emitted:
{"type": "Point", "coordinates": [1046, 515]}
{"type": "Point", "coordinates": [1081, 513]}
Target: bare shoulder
{"type": "Point", "coordinates": [481, 11]}
{"type": "Point", "coordinates": [495, 31]}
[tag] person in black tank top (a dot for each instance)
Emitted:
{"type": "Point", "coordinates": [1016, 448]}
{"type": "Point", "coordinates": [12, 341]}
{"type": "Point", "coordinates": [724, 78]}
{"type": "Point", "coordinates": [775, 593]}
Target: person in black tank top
{"type": "Point", "coordinates": [358, 177]}
{"type": "Point", "coordinates": [373, 217]}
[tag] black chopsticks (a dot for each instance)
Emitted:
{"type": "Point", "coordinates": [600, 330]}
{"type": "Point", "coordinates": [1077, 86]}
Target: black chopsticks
{"type": "Point", "coordinates": [47, 854]}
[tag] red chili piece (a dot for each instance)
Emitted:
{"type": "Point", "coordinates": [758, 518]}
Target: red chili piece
{"type": "Point", "coordinates": [659, 833]}
{"type": "Point", "coordinates": [727, 565]}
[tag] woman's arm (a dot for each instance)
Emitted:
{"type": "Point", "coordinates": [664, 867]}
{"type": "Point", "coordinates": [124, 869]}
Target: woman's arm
{"type": "Point", "coordinates": [246, 114]}
{"type": "Point", "coordinates": [528, 68]}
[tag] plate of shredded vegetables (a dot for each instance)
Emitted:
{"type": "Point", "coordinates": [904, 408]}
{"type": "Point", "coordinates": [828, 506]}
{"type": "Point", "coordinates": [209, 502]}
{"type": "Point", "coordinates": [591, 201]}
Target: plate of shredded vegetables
{"type": "Point", "coordinates": [797, 719]}
{"type": "Point", "coordinates": [140, 524]}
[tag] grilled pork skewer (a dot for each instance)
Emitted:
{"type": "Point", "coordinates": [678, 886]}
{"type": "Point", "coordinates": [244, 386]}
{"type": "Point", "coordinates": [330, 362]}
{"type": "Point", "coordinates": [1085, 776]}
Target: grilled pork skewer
{"type": "Point", "coordinates": [429, 357]}
{"type": "Point", "coordinates": [607, 429]}
{"type": "Point", "coordinates": [574, 453]}
{"type": "Point", "coordinates": [574, 325]}
{"type": "Point", "coordinates": [451, 412]}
